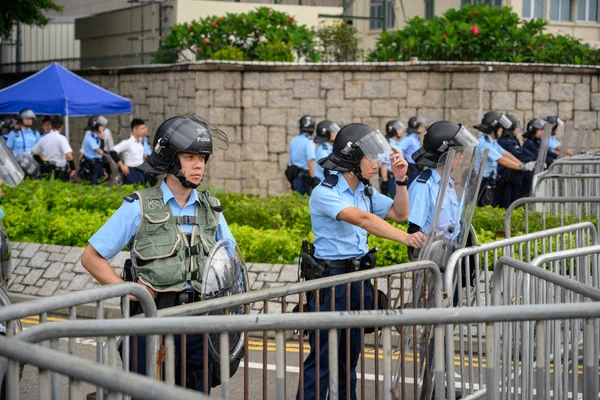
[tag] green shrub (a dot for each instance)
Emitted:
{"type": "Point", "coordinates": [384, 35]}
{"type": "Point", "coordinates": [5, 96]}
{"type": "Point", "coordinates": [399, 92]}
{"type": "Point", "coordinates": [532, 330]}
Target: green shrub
{"type": "Point", "coordinates": [337, 42]}
{"type": "Point", "coordinates": [275, 51]}
{"type": "Point", "coordinates": [481, 33]}
{"type": "Point", "coordinates": [230, 53]}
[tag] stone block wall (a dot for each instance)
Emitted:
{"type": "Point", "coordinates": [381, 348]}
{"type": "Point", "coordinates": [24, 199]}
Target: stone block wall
{"type": "Point", "coordinates": [258, 106]}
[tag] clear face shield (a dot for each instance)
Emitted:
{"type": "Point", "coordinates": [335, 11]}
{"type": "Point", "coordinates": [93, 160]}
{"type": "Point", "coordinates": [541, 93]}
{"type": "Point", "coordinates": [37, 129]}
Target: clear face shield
{"type": "Point", "coordinates": [11, 172]}
{"type": "Point", "coordinates": [543, 153]}
{"type": "Point", "coordinates": [333, 130]}
{"type": "Point", "coordinates": [182, 133]}
{"type": "Point", "coordinates": [463, 138]}
{"type": "Point", "coordinates": [374, 146]}
{"type": "Point", "coordinates": [504, 122]}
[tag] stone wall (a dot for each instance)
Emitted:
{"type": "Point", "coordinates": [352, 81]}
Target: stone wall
{"type": "Point", "coordinates": [258, 106]}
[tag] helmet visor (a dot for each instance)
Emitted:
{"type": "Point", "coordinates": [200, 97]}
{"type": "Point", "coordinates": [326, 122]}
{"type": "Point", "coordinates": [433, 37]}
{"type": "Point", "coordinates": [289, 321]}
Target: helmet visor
{"type": "Point", "coordinates": [374, 145]}
{"type": "Point", "coordinates": [399, 126]}
{"type": "Point", "coordinates": [504, 122]}
{"type": "Point", "coordinates": [334, 128]}
{"type": "Point", "coordinates": [182, 133]}
{"type": "Point", "coordinates": [11, 172]}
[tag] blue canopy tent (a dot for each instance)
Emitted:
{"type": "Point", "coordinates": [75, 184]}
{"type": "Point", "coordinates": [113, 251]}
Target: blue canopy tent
{"type": "Point", "coordinates": [57, 91]}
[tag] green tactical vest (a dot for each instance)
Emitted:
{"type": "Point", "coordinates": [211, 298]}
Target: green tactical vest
{"type": "Point", "coordinates": [161, 255]}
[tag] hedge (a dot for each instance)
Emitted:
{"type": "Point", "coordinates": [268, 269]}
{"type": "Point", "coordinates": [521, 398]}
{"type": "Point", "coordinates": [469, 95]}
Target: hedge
{"type": "Point", "coordinates": [268, 230]}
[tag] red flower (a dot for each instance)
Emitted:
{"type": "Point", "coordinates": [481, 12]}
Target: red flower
{"type": "Point", "coordinates": [214, 24]}
{"type": "Point", "coordinates": [391, 59]}
{"type": "Point", "coordinates": [291, 20]}
{"type": "Point", "coordinates": [542, 47]}
{"type": "Point", "coordinates": [475, 12]}
{"type": "Point", "coordinates": [475, 30]}
{"type": "Point", "coordinates": [444, 36]}
{"type": "Point", "coordinates": [552, 37]}
{"type": "Point", "coordinates": [220, 18]}
{"type": "Point", "coordinates": [190, 27]}
{"type": "Point", "coordinates": [206, 41]}
{"type": "Point", "coordinates": [528, 47]}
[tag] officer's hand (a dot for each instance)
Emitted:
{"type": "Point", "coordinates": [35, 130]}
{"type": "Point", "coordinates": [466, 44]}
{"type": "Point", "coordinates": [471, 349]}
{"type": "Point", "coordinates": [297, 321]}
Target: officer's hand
{"type": "Point", "coordinates": [399, 164]}
{"type": "Point", "coordinates": [124, 170]}
{"type": "Point", "coordinates": [148, 288]}
{"type": "Point", "coordinates": [416, 240]}
{"type": "Point", "coordinates": [530, 166]}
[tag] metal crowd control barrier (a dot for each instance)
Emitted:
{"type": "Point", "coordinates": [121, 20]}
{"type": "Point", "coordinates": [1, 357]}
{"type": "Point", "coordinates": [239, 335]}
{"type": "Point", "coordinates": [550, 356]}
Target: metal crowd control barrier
{"type": "Point", "coordinates": [565, 185]}
{"type": "Point", "coordinates": [547, 211]}
{"type": "Point", "coordinates": [558, 346]}
{"type": "Point", "coordinates": [115, 381]}
{"type": "Point", "coordinates": [574, 166]}
{"type": "Point", "coordinates": [11, 313]}
{"type": "Point", "coordinates": [333, 322]}
{"type": "Point", "coordinates": [467, 282]}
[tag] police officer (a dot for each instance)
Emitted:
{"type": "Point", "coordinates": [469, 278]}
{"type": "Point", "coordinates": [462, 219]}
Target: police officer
{"type": "Point", "coordinates": [394, 130]}
{"type": "Point", "coordinates": [533, 139]}
{"type": "Point", "coordinates": [6, 127]}
{"type": "Point", "coordinates": [411, 143]}
{"type": "Point", "coordinates": [46, 125]}
{"type": "Point", "coordinates": [326, 132]}
{"type": "Point", "coordinates": [491, 127]}
{"type": "Point", "coordinates": [512, 185]}
{"type": "Point", "coordinates": [554, 144]}
{"type": "Point", "coordinates": [168, 265]}
{"type": "Point", "coordinates": [344, 208]}
{"type": "Point", "coordinates": [132, 153]}
{"type": "Point", "coordinates": [54, 151]}
{"type": "Point", "coordinates": [92, 153]}
{"type": "Point", "coordinates": [301, 168]}
{"type": "Point", "coordinates": [25, 137]}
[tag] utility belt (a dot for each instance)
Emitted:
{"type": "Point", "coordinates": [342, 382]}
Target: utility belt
{"type": "Point", "coordinates": [91, 161]}
{"type": "Point", "coordinates": [163, 299]}
{"type": "Point", "coordinates": [293, 171]}
{"type": "Point", "coordinates": [315, 268]}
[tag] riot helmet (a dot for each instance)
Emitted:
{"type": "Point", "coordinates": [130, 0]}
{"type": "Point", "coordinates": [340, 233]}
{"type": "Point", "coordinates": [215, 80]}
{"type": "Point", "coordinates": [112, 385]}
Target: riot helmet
{"type": "Point", "coordinates": [307, 124]}
{"type": "Point", "coordinates": [26, 114]}
{"type": "Point", "coordinates": [515, 125]}
{"type": "Point", "coordinates": [492, 121]}
{"type": "Point", "coordinates": [324, 131]}
{"type": "Point", "coordinates": [95, 122]}
{"type": "Point", "coordinates": [6, 125]}
{"type": "Point", "coordinates": [555, 121]}
{"type": "Point", "coordinates": [414, 123]}
{"type": "Point", "coordinates": [182, 134]}
{"type": "Point", "coordinates": [533, 126]}
{"type": "Point", "coordinates": [394, 128]}
{"type": "Point", "coordinates": [440, 137]}
{"type": "Point", "coordinates": [352, 143]}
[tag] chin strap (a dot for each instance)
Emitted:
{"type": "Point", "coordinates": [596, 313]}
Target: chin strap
{"type": "Point", "coordinates": [176, 171]}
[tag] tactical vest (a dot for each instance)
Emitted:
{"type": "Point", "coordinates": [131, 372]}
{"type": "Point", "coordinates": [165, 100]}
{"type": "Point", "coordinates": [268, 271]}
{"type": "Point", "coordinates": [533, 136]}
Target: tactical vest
{"type": "Point", "coordinates": [161, 253]}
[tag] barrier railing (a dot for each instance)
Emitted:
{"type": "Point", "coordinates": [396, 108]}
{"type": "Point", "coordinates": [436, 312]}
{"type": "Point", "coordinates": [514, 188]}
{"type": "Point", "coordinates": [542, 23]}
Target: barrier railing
{"type": "Point", "coordinates": [565, 185]}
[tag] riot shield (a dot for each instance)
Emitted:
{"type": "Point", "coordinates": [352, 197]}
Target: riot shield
{"type": "Point", "coordinates": [460, 172]}
{"type": "Point", "coordinates": [567, 140]}
{"type": "Point", "coordinates": [587, 140]}
{"type": "Point", "coordinates": [11, 172]}
{"type": "Point", "coordinates": [29, 165]}
{"type": "Point", "coordinates": [540, 163]}
{"type": "Point", "coordinates": [225, 275]}
{"type": "Point", "coordinates": [578, 144]}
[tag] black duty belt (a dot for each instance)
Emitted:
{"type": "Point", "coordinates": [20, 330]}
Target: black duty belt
{"type": "Point", "coordinates": [350, 265]}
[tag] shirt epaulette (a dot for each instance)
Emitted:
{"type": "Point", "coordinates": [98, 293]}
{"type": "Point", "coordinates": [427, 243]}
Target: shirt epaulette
{"type": "Point", "coordinates": [132, 197]}
{"type": "Point", "coordinates": [424, 176]}
{"type": "Point", "coordinates": [330, 181]}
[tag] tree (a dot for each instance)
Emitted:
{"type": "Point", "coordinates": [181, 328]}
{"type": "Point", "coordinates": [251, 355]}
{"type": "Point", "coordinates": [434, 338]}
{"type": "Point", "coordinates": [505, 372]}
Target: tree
{"type": "Point", "coordinates": [29, 12]}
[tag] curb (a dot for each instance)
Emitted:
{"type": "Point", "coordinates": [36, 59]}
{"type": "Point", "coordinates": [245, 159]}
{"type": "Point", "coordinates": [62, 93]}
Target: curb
{"type": "Point", "coordinates": [84, 310]}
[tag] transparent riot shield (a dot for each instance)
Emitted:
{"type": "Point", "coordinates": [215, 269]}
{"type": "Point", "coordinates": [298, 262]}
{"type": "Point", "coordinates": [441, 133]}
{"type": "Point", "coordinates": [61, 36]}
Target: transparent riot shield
{"type": "Point", "coordinates": [567, 140]}
{"type": "Point", "coordinates": [578, 140]}
{"type": "Point", "coordinates": [225, 275]}
{"type": "Point", "coordinates": [587, 141]}
{"type": "Point", "coordinates": [459, 173]}
{"type": "Point", "coordinates": [11, 172]}
{"type": "Point", "coordinates": [540, 163]}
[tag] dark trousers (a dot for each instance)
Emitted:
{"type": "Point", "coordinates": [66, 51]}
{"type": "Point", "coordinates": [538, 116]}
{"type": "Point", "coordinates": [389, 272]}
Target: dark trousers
{"type": "Point", "coordinates": [413, 173]}
{"type": "Point", "coordinates": [96, 170]}
{"type": "Point", "coordinates": [391, 185]}
{"type": "Point", "coordinates": [310, 372]}
{"type": "Point", "coordinates": [194, 360]}
{"type": "Point", "coordinates": [135, 176]}
{"type": "Point", "coordinates": [299, 185]}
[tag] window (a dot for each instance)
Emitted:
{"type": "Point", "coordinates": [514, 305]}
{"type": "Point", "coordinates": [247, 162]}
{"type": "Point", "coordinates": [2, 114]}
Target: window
{"type": "Point", "coordinates": [587, 10]}
{"type": "Point", "coordinates": [377, 12]}
{"type": "Point", "coordinates": [488, 2]}
{"type": "Point", "coordinates": [560, 10]}
{"type": "Point", "coordinates": [533, 8]}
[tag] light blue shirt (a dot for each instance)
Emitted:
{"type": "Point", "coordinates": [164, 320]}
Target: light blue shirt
{"type": "Point", "coordinates": [121, 227]}
{"type": "Point", "coordinates": [323, 150]}
{"type": "Point", "coordinates": [22, 140]}
{"type": "Point", "coordinates": [1, 213]}
{"type": "Point", "coordinates": [339, 240]}
{"type": "Point", "coordinates": [490, 170]}
{"type": "Point", "coordinates": [409, 144]}
{"type": "Point", "coordinates": [553, 144]}
{"type": "Point", "coordinates": [147, 148]}
{"type": "Point", "coordinates": [422, 197]}
{"type": "Point", "coordinates": [91, 143]}
{"type": "Point", "coordinates": [302, 150]}
{"type": "Point", "coordinates": [385, 158]}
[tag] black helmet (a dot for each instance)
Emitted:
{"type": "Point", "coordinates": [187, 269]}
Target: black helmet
{"type": "Point", "coordinates": [393, 128]}
{"type": "Point", "coordinates": [440, 137]}
{"type": "Point", "coordinates": [414, 123]}
{"type": "Point", "coordinates": [307, 124]}
{"type": "Point", "coordinates": [183, 134]}
{"type": "Point", "coordinates": [324, 131]}
{"type": "Point", "coordinates": [95, 121]}
{"type": "Point", "coordinates": [533, 126]}
{"type": "Point", "coordinates": [515, 123]}
{"type": "Point", "coordinates": [25, 114]}
{"type": "Point", "coordinates": [492, 121]}
{"type": "Point", "coordinates": [353, 142]}
{"type": "Point", "coordinates": [6, 125]}
{"type": "Point", "coordinates": [555, 121]}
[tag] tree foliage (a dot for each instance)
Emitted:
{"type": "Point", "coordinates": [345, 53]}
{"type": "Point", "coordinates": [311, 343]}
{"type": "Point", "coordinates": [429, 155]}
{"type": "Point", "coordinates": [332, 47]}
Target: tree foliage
{"type": "Point", "coordinates": [29, 12]}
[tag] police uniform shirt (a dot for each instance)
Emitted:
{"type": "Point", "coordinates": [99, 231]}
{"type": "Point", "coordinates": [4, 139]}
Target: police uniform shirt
{"type": "Point", "coordinates": [553, 144]}
{"type": "Point", "coordinates": [22, 140]}
{"type": "Point", "coordinates": [1, 214]}
{"type": "Point", "coordinates": [422, 196]}
{"type": "Point", "coordinates": [91, 143]}
{"type": "Point", "coordinates": [132, 152]}
{"type": "Point", "coordinates": [121, 227]}
{"type": "Point", "coordinates": [323, 150]}
{"type": "Point", "coordinates": [409, 144]}
{"type": "Point", "coordinates": [53, 146]}
{"type": "Point", "coordinates": [302, 150]}
{"type": "Point", "coordinates": [339, 240]}
{"type": "Point", "coordinates": [494, 154]}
